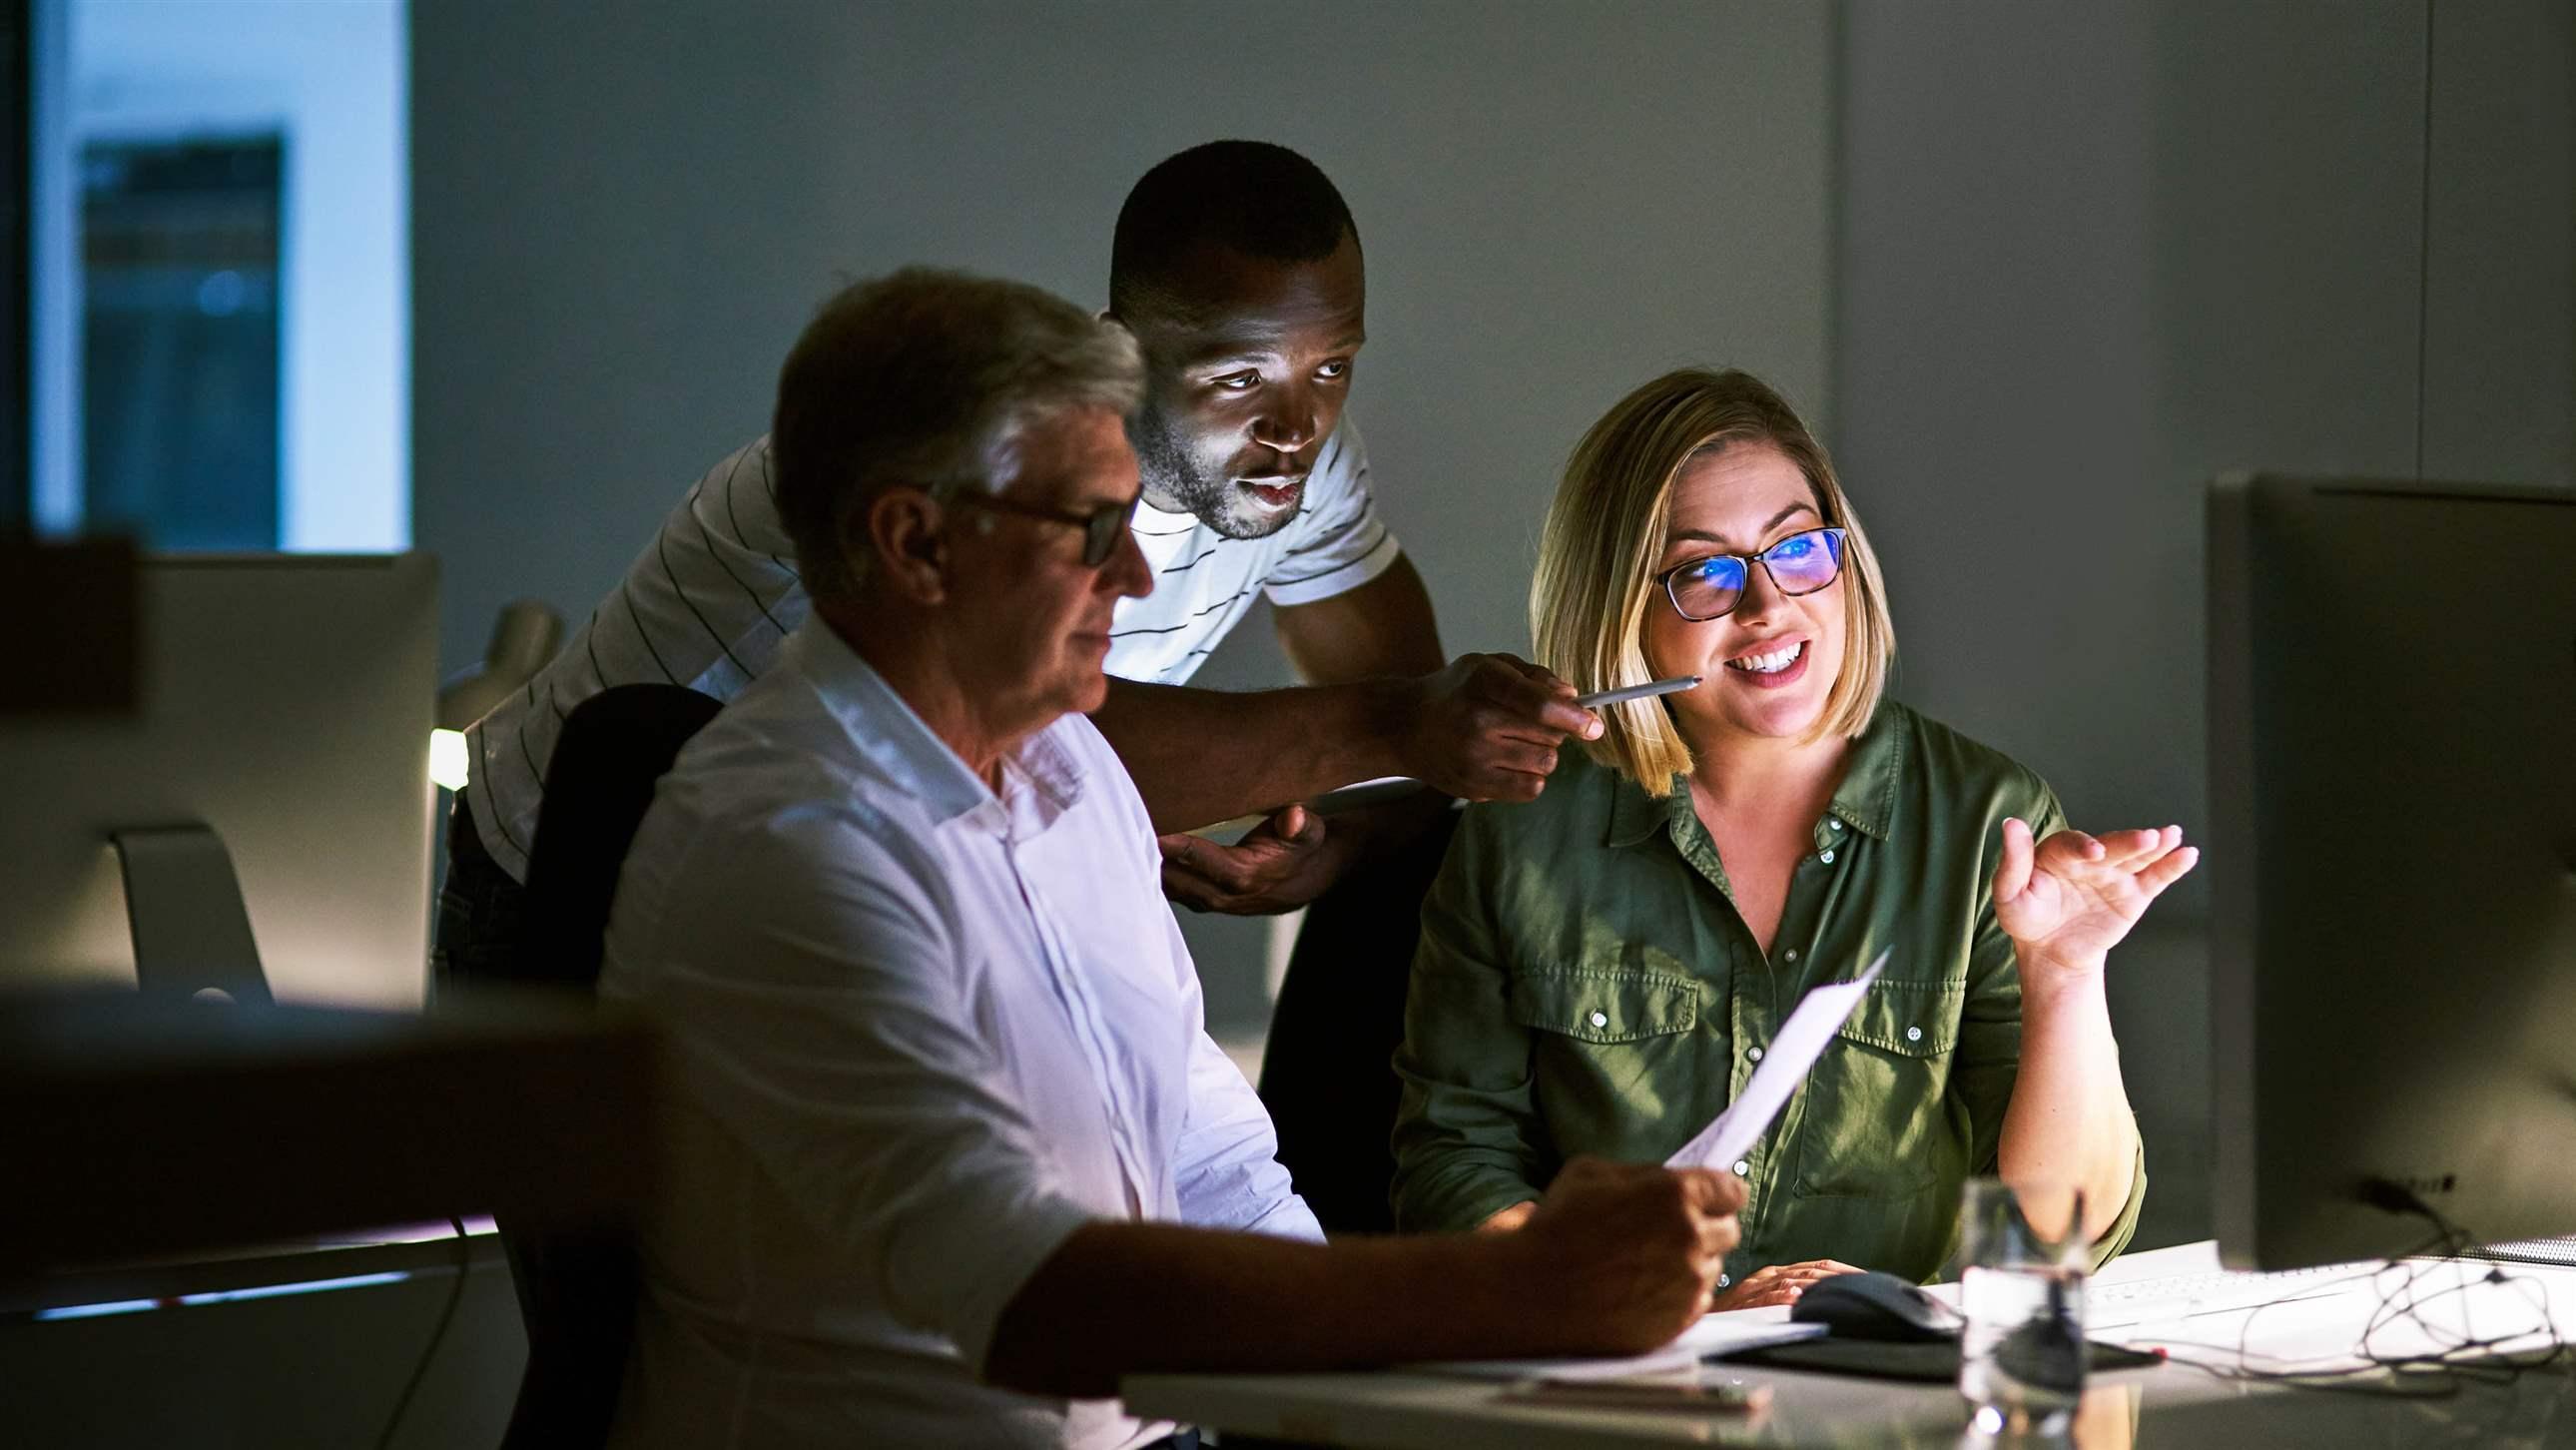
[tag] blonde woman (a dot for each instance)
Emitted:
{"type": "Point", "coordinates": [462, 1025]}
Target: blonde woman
{"type": "Point", "coordinates": [1601, 969]}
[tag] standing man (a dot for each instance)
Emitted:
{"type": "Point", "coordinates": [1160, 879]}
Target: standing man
{"type": "Point", "coordinates": [950, 1149]}
{"type": "Point", "coordinates": [1237, 268]}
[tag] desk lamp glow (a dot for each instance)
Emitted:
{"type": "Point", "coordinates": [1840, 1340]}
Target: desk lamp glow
{"type": "Point", "coordinates": [524, 637]}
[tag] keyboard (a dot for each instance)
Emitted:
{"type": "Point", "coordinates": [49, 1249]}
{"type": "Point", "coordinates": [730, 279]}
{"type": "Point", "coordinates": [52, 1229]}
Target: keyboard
{"type": "Point", "coordinates": [2141, 1301]}
{"type": "Point", "coordinates": [2558, 1252]}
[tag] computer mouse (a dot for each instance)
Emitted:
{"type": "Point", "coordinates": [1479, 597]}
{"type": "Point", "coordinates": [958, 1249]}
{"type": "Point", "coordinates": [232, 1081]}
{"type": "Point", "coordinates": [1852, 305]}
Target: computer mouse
{"type": "Point", "coordinates": [1875, 1306]}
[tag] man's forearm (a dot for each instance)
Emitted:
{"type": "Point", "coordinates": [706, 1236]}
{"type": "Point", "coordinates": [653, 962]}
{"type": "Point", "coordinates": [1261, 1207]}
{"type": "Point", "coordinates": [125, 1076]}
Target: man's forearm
{"type": "Point", "coordinates": [1202, 756]}
{"type": "Point", "coordinates": [1130, 1298]}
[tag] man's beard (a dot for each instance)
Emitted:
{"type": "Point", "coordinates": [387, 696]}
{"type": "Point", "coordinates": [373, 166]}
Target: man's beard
{"type": "Point", "coordinates": [1169, 472]}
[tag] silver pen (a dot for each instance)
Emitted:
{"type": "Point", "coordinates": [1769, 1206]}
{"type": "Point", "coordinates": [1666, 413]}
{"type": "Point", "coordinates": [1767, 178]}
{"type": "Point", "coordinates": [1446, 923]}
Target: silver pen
{"type": "Point", "coordinates": [1600, 698]}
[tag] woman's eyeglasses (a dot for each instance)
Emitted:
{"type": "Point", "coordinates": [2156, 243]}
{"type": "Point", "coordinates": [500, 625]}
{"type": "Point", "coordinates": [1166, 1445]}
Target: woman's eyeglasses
{"type": "Point", "coordinates": [1710, 586]}
{"type": "Point", "coordinates": [1100, 527]}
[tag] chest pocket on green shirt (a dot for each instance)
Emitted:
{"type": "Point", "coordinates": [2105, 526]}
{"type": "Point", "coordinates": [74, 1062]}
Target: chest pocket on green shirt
{"type": "Point", "coordinates": [1607, 1046]}
{"type": "Point", "coordinates": [1877, 1123]}
{"type": "Point", "coordinates": [1590, 1004]}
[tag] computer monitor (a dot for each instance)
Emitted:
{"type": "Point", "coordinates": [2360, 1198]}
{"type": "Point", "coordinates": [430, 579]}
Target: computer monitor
{"type": "Point", "coordinates": [284, 712]}
{"type": "Point", "coordinates": [2392, 846]}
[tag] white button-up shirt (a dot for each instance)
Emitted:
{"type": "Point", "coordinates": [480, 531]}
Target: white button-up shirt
{"type": "Point", "coordinates": [711, 600]}
{"type": "Point", "coordinates": [924, 1033]}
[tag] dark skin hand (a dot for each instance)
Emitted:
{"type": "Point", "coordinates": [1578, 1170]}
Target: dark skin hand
{"type": "Point", "coordinates": [1288, 859]}
{"type": "Point", "coordinates": [1484, 727]}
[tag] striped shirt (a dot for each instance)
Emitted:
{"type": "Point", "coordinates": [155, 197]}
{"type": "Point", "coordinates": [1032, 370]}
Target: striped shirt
{"type": "Point", "coordinates": [711, 598]}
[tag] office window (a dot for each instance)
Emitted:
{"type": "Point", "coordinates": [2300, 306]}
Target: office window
{"type": "Point", "coordinates": [179, 378]}
{"type": "Point", "coordinates": [220, 287]}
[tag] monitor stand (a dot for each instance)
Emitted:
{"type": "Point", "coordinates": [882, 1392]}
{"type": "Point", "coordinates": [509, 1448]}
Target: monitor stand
{"type": "Point", "coordinates": [191, 931]}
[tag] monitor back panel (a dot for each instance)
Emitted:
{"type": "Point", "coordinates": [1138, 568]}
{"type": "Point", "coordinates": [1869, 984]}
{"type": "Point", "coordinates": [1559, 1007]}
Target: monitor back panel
{"type": "Point", "coordinates": [286, 701]}
{"type": "Point", "coordinates": [2393, 779]}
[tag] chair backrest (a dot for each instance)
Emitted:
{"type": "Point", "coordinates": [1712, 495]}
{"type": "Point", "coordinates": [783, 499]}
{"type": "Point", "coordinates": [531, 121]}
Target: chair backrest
{"type": "Point", "coordinates": [577, 1284]}
{"type": "Point", "coordinates": [1326, 1075]}
{"type": "Point", "coordinates": [614, 748]}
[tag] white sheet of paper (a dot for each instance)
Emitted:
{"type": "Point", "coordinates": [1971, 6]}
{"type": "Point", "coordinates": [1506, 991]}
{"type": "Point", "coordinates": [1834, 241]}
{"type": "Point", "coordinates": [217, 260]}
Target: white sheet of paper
{"type": "Point", "coordinates": [1785, 1060]}
{"type": "Point", "coordinates": [1728, 1333]}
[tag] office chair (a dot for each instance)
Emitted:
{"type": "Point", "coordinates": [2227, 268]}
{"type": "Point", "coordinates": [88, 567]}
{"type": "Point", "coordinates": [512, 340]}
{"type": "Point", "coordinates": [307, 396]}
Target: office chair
{"type": "Point", "coordinates": [1326, 1072]}
{"type": "Point", "coordinates": [577, 1283]}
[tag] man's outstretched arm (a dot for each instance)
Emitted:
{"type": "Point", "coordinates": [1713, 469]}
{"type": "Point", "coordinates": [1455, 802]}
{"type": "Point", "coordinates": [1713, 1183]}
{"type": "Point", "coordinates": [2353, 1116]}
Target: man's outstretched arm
{"type": "Point", "coordinates": [1618, 1259]}
{"type": "Point", "coordinates": [1484, 728]}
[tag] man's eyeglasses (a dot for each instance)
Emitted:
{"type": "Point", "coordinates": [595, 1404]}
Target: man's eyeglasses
{"type": "Point", "coordinates": [1711, 586]}
{"type": "Point", "coordinates": [1100, 527]}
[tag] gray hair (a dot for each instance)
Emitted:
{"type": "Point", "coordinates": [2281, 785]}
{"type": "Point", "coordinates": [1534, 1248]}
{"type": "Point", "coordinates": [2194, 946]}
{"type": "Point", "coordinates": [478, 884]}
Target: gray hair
{"type": "Point", "coordinates": [927, 379]}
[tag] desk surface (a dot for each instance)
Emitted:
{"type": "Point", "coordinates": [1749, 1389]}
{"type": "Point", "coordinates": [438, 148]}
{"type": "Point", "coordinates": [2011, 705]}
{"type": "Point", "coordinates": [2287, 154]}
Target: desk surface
{"type": "Point", "coordinates": [2174, 1404]}
{"type": "Point", "coordinates": [137, 1127]}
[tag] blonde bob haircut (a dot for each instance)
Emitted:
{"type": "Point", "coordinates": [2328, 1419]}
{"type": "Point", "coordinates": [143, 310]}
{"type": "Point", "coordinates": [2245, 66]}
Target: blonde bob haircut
{"type": "Point", "coordinates": [1595, 584]}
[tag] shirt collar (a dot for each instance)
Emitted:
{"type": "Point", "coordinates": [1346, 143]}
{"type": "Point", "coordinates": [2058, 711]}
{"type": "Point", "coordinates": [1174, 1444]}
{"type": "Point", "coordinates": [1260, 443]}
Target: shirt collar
{"type": "Point", "coordinates": [1865, 801]}
{"type": "Point", "coordinates": [1155, 523]}
{"type": "Point", "coordinates": [1040, 778]}
{"type": "Point", "coordinates": [1635, 815]}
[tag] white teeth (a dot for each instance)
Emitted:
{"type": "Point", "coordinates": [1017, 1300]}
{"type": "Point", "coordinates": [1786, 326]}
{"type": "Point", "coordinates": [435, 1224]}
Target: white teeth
{"type": "Point", "coordinates": [1770, 664]}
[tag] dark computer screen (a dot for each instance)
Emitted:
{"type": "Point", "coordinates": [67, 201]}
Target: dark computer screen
{"type": "Point", "coordinates": [2393, 858]}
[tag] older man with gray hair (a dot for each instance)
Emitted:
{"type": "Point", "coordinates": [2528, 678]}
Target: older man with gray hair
{"type": "Point", "coordinates": [952, 1150]}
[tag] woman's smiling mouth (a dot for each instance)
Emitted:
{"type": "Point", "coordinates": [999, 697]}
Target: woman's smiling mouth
{"type": "Point", "coordinates": [1771, 664]}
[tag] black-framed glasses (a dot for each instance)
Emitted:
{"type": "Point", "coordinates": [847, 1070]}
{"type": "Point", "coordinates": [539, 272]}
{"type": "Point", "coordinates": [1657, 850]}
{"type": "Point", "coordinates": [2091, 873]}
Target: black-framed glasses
{"type": "Point", "coordinates": [1709, 587]}
{"type": "Point", "coordinates": [1100, 527]}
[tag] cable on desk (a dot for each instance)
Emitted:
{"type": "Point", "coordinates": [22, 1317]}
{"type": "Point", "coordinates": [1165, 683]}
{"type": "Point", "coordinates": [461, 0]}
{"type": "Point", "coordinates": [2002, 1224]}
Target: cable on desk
{"type": "Point", "coordinates": [420, 1371]}
{"type": "Point", "coordinates": [2463, 1358]}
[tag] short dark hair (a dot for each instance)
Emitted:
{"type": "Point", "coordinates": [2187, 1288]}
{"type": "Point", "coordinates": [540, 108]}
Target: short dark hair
{"type": "Point", "coordinates": [1250, 197]}
{"type": "Point", "coordinates": [926, 378]}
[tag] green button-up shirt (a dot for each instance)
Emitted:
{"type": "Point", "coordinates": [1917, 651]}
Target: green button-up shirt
{"type": "Point", "coordinates": [1585, 984]}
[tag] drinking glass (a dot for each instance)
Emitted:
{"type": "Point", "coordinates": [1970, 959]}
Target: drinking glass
{"type": "Point", "coordinates": [2023, 1260]}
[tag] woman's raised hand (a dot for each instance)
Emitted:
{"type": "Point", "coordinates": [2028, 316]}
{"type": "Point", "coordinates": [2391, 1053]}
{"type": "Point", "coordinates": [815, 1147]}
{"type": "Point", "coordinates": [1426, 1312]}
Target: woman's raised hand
{"type": "Point", "coordinates": [2068, 900]}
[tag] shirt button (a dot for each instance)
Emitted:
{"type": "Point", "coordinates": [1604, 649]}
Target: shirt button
{"type": "Point", "coordinates": [1790, 955]}
{"type": "Point", "coordinates": [1829, 858]}
{"type": "Point", "coordinates": [1743, 1166]}
{"type": "Point", "coordinates": [1835, 825]}
{"type": "Point", "coordinates": [1600, 1019]}
{"type": "Point", "coordinates": [1724, 1280]}
{"type": "Point", "coordinates": [1755, 1055]}
{"type": "Point", "coordinates": [1914, 1034]}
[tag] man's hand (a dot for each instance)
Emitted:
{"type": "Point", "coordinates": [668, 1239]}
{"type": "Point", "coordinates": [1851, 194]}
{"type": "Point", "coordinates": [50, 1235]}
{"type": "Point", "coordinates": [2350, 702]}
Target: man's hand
{"type": "Point", "coordinates": [1487, 728]}
{"type": "Point", "coordinates": [1779, 1283]}
{"type": "Point", "coordinates": [1279, 865]}
{"type": "Point", "coordinates": [2071, 898]}
{"type": "Point", "coordinates": [1625, 1255]}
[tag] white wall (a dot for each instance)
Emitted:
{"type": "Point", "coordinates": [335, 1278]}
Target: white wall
{"type": "Point", "coordinates": [330, 77]}
{"type": "Point", "coordinates": [620, 227]}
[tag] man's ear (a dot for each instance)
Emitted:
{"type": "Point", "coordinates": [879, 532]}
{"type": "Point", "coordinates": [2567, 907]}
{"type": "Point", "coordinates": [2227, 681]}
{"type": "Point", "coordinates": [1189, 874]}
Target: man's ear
{"type": "Point", "coordinates": [903, 533]}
